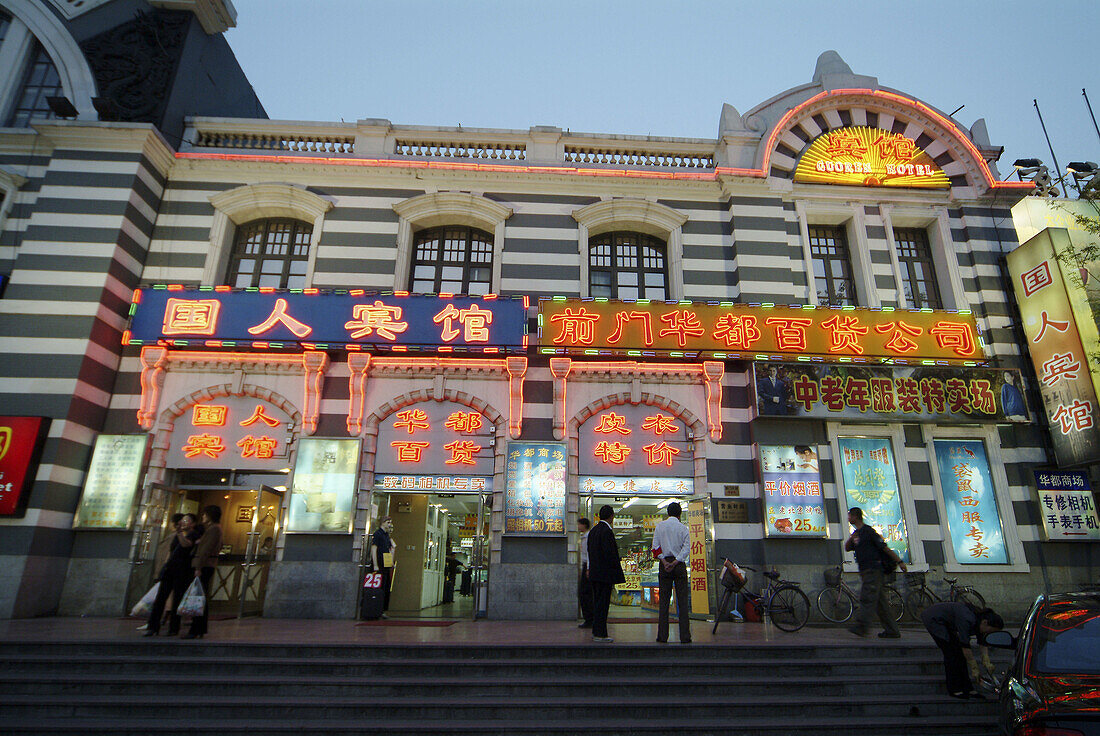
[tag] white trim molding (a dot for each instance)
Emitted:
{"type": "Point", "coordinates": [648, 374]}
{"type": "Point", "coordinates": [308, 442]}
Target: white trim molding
{"type": "Point", "coordinates": [851, 217]}
{"type": "Point", "coordinates": [643, 216]}
{"type": "Point", "coordinates": [935, 222]}
{"type": "Point", "coordinates": [447, 208]}
{"type": "Point", "coordinates": [258, 201]}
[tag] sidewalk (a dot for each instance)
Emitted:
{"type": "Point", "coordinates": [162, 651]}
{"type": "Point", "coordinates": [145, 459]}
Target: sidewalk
{"type": "Point", "coordinates": [313, 631]}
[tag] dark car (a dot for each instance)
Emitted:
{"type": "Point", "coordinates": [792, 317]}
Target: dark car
{"type": "Point", "coordinates": [1052, 687]}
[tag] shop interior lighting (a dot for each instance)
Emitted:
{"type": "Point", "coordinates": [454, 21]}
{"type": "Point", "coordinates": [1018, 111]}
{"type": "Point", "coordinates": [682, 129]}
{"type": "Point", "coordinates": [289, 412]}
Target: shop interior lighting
{"type": "Point", "coordinates": [634, 499]}
{"type": "Point", "coordinates": [666, 502]}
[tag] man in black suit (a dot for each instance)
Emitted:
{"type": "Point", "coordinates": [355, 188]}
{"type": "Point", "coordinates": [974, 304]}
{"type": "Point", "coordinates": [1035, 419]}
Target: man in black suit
{"type": "Point", "coordinates": [604, 571]}
{"type": "Point", "coordinates": [772, 391]}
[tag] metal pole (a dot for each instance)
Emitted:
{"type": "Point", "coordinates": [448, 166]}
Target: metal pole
{"type": "Point", "coordinates": [1086, 96]}
{"type": "Point", "coordinates": [1058, 168]}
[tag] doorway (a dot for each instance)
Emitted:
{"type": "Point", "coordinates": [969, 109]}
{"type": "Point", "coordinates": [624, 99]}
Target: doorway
{"type": "Point", "coordinates": [441, 558]}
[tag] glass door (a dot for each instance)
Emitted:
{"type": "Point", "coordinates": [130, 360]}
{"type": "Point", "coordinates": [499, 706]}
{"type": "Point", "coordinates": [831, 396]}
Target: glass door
{"type": "Point", "coordinates": [259, 549]}
{"type": "Point", "coordinates": [152, 534]}
{"type": "Point", "coordinates": [479, 556]}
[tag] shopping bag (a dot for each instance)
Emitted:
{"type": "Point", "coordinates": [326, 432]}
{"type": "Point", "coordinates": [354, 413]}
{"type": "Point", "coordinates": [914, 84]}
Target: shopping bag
{"type": "Point", "coordinates": [193, 602]}
{"type": "Point", "coordinates": [143, 607]}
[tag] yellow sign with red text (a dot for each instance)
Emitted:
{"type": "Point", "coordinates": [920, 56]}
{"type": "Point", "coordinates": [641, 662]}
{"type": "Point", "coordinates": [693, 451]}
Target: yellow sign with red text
{"type": "Point", "coordinates": [697, 535]}
{"type": "Point", "coordinates": [869, 157]}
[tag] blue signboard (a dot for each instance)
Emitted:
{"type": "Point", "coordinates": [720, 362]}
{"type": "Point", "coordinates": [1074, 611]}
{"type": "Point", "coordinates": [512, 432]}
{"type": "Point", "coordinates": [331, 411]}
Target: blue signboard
{"type": "Point", "coordinates": [322, 320]}
{"type": "Point", "coordinates": [793, 503]}
{"type": "Point", "coordinates": [971, 502]}
{"type": "Point", "coordinates": [534, 502]}
{"type": "Point", "coordinates": [871, 483]}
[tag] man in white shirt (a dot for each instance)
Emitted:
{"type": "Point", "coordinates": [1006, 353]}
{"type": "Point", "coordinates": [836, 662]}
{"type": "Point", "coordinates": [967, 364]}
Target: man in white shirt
{"type": "Point", "coordinates": [584, 585]}
{"type": "Point", "coordinates": [672, 547]}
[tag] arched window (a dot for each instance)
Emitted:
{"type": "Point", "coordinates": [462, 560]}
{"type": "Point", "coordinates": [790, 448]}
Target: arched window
{"type": "Point", "coordinates": [452, 260]}
{"type": "Point", "coordinates": [270, 252]}
{"type": "Point", "coordinates": [627, 265]}
{"type": "Point", "coordinates": [40, 80]}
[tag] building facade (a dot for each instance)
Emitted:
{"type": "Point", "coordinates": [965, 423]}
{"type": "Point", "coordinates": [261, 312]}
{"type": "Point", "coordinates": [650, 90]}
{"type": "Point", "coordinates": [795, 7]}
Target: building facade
{"type": "Point", "coordinates": [487, 334]}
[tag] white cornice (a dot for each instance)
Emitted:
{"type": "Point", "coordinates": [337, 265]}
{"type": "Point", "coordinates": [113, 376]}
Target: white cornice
{"type": "Point", "coordinates": [270, 199]}
{"type": "Point", "coordinates": [656, 219]}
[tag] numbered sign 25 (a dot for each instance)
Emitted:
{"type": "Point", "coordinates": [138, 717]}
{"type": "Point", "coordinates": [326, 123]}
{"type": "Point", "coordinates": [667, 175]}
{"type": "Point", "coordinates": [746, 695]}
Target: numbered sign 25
{"type": "Point", "coordinates": [373, 580]}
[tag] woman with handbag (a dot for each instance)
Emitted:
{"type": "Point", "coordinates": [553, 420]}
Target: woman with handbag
{"type": "Point", "coordinates": [174, 576]}
{"type": "Point", "coordinates": [207, 549]}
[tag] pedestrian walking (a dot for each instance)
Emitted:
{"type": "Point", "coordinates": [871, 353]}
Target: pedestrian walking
{"type": "Point", "coordinates": [870, 549]}
{"type": "Point", "coordinates": [672, 547]}
{"type": "Point", "coordinates": [605, 570]}
{"type": "Point", "coordinates": [951, 625]}
{"type": "Point", "coordinates": [205, 560]}
{"type": "Point", "coordinates": [584, 585]}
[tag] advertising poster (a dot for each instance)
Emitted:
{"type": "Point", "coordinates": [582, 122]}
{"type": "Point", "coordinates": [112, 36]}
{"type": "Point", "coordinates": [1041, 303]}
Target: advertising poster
{"type": "Point", "coordinates": [973, 518]}
{"type": "Point", "coordinates": [793, 503]}
{"type": "Point", "coordinates": [112, 482]}
{"type": "Point", "coordinates": [871, 483]}
{"type": "Point", "coordinates": [697, 534]}
{"type": "Point", "coordinates": [915, 393]}
{"type": "Point", "coordinates": [1068, 506]}
{"type": "Point", "coordinates": [326, 478]}
{"type": "Point", "coordinates": [21, 440]}
{"type": "Point", "coordinates": [534, 502]}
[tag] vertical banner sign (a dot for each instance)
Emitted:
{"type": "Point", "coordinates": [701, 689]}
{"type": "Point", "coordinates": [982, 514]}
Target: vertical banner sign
{"type": "Point", "coordinates": [973, 519]}
{"type": "Point", "coordinates": [326, 478]}
{"type": "Point", "coordinates": [21, 440]}
{"type": "Point", "coordinates": [871, 483]}
{"type": "Point", "coordinates": [1053, 339]}
{"type": "Point", "coordinates": [112, 482]}
{"type": "Point", "coordinates": [534, 502]}
{"type": "Point", "coordinates": [793, 504]}
{"type": "Point", "coordinates": [1068, 506]}
{"type": "Point", "coordinates": [697, 535]}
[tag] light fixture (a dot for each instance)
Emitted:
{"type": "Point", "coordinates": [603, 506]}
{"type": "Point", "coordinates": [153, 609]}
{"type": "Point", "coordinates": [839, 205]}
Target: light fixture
{"type": "Point", "coordinates": [1085, 172]}
{"type": "Point", "coordinates": [666, 502]}
{"type": "Point", "coordinates": [61, 107]}
{"type": "Point", "coordinates": [1039, 176]}
{"type": "Point", "coordinates": [635, 499]}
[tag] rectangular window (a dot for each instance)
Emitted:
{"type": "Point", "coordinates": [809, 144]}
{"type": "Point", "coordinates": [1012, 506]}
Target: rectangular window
{"type": "Point", "coordinates": [832, 266]}
{"type": "Point", "coordinates": [918, 274]}
{"type": "Point", "coordinates": [452, 260]}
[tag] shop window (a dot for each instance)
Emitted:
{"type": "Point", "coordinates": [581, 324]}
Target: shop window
{"type": "Point", "coordinates": [452, 260]}
{"type": "Point", "coordinates": [832, 266]}
{"type": "Point", "coordinates": [272, 253]}
{"type": "Point", "coordinates": [40, 81]}
{"type": "Point", "coordinates": [918, 273]}
{"type": "Point", "coordinates": [626, 265]}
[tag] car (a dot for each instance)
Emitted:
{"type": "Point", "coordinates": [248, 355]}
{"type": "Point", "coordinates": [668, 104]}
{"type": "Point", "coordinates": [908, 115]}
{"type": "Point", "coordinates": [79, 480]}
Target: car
{"type": "Point", "coordinates": [1052, 687]}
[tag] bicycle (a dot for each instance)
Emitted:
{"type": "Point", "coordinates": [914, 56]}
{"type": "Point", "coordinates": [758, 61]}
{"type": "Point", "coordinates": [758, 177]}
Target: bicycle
{"type": "Point", "coordinates": [921, 596]}
{"type": "Point", "coordinates": [837, 602]}
{"type": "Point", "coordinates": [782, 600]}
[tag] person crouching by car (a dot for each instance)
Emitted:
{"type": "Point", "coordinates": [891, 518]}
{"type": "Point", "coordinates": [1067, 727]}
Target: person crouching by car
{"type": "Point", "coordinates": [951, 626]}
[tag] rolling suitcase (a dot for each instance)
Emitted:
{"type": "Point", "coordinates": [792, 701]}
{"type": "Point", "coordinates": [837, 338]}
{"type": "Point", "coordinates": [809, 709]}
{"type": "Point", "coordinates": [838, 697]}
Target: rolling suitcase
{"type": "Point", "coordinates": [370, 608]}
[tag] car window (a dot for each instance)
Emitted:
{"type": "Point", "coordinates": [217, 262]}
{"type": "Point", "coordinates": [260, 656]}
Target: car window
{"type": "Point", "coordinates": [1067, 638]}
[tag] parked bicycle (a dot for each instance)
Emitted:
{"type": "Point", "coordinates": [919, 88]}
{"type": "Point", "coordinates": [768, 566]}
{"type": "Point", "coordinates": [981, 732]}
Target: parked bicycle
{"type": "Point", "coordinates": [782, 601]}
{"type": "Point", "coordinates": [837, 602]}
{"type": "Point", "coordinates": [921, 596]}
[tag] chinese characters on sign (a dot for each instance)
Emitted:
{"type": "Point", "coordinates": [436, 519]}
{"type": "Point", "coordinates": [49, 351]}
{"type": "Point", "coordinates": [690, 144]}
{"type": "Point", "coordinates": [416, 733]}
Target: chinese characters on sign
{"type": "Point", "coordinates": [728, 330]}
{"type": "Point", "coordinates": [112, 482]}
{"type": "Point", "coordinates": [21, 440]}
{"type": "Point", "coordinates": [697, 535]}
{"type": "Point", "coordinates": [1067, 506]}
{"type": "Point", "coordinates": [637, 441]}
{"type": "Point", "coordinates": [229, 432]}
{"type": "Point", "coordinates": [863, 156]}
{"type": "Point", "coordinates": [973, 518]}
{"type": "Point", "coordinates": [355, 319]}
{"type": "Point", "coordinates": [793, 502]}
{"type": "Point", "coordinates": [433, 438]}
{"type": "Point", "coordinates": [904, 393]}
{"type": "Point", "coordinates": [436, 483]}
{"type": "Point", "coordinates": [326, 478]}
{"type": "Point", "coordinates": [534, 499]}
{"type": "Point", "coordinates": [1054, 341]}
{"type": "Point", "coordinates": [871, 483]}
{"type": "Point", "coordinates": [617, 485]}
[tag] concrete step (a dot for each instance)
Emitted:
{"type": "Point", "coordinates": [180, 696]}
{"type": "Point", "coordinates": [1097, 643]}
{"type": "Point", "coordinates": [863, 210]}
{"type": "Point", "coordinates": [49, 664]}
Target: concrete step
{"type": "Point", "coordinates": [581, 706]}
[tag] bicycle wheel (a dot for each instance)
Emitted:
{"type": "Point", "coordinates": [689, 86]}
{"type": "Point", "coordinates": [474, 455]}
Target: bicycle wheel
{"type": "Point", "coordinates": [835, 604]}
{"type": "Point", "coordinates": [894, 604]}
{"type": "Point", "coordinates": [789, 608]}
{"type": "Point", "coordinates": [970, 597]}
{"type": "Point", "coordinates": [917, 601]}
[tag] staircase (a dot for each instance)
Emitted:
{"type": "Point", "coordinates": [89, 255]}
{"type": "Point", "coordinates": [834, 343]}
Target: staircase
{"type": "Point", "coordinates": [172, 687]}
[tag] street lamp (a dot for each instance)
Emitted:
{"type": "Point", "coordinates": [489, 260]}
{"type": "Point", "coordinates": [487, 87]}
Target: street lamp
{"type": "Point", "coordinates": [1039, 174]}
{"type": "Point", "coordinates": [1085, 177]}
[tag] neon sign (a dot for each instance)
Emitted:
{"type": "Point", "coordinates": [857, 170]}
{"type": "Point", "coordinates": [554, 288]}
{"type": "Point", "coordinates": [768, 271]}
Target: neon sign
{"type": "Point", "coordinates": [229, 432]}
{"type": "Point", "coordinates": [435, 439]}
{"type": "Point", "coordinates": [728, 330]}
{"type": "Point", "coordinates": [634, 440]}
{"type": "Point", "coordinates": [222, 317]}
{"type": "Point", "coordinates": [862, 156]}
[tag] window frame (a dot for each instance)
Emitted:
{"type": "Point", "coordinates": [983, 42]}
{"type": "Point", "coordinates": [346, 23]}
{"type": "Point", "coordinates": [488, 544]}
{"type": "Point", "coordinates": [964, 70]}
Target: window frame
{"type": "Point", "coordinates": [241, 240]}
{"type": "Point", "coordinates": [439, 263]}
{"type": "Point", "coordinates": [906, 266]}
{"type": "Point", "coordinates": [839, 236]}
{"type": "Point", "coordinates": [614, 239]}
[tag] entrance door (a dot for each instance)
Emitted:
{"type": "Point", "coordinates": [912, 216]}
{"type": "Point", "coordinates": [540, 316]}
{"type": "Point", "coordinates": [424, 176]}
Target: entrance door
{"type": "Point", "coordinates": [150, 542]}
{"type": "Point", "coordinates": [259, 550]}
{"type": "Point", "coordinates": [479, 557]}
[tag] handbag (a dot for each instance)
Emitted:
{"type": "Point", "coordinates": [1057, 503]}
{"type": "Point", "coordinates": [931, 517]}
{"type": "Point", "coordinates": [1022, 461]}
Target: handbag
{"type": "Point", "coordinates": [144, 607]}
{"type": "Point", "coordinates": [193, 602]}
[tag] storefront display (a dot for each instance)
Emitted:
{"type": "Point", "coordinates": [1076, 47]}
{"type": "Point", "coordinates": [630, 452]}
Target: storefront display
{"type": "Point", "coordinates": [871, 482]}
{"type": "Point", "coordinates": [326, 478]}
{"type": "Point", "coordinates": [970, 499]}
{"type": "Point", "coordinates": [112, 482]}
{"type": "Point", "coordinates": [793, 502]}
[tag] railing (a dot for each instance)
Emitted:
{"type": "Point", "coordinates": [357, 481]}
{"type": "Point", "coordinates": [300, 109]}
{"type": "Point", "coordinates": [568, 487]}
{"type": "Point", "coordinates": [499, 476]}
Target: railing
{"type": "Point", "coordinates": [637, 157]}
{"type": "Point", "coordinates": [260, 141]}
{"type": "Point", "coordinates": [460, 149]}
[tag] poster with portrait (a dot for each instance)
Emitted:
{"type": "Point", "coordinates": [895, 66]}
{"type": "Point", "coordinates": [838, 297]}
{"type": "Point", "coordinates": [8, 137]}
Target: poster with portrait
{"type": "Point", "coordinates": [326, 479]}
{"type": "Point", "coordinates": [793, 502]}
{"type": "Point", "coordinates": [870, 479]}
